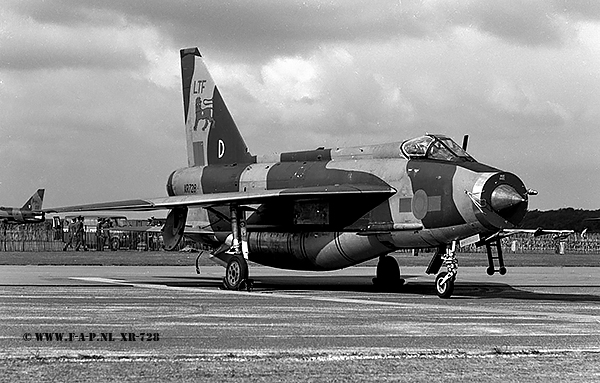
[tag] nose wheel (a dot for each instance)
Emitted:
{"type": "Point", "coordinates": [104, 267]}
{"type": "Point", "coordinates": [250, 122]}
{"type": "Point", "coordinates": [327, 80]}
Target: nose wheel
{"type": "Point", "coordinates": [444, 285]}
{"type": "Point", "coordinates": [444, 282]}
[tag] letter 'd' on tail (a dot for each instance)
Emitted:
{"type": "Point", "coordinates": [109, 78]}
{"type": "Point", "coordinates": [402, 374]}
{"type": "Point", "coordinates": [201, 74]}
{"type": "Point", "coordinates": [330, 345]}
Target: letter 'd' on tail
{"type": "Point", "coordinates": [211, 134]}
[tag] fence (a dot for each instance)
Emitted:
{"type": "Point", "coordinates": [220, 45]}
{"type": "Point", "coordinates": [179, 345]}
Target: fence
{"type": "Point", "coordinates": [43, 237]}
{"type": "Point", "coordinates": [29, 237]}
{"type": "Point", "coordinates": [526, 243]}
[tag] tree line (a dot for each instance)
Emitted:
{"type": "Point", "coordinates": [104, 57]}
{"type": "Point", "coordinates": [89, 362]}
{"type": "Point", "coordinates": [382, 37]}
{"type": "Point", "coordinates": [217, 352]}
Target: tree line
{"type": "Point", "coordinates": [565, 219]}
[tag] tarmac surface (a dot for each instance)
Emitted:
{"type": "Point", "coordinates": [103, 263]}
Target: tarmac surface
{"type": "Point", "coordinates": [165, 323]}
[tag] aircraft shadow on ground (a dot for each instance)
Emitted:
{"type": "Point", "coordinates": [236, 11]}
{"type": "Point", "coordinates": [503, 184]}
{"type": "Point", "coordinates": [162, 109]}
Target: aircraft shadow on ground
{"type": "Point", "coordinates": [364, 284]}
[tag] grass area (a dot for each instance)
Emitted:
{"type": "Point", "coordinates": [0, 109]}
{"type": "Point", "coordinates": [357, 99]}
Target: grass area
{"type": "Point", "coordinates": [164, 258]}
{"type": "Point", "coordinates": [428, 366]}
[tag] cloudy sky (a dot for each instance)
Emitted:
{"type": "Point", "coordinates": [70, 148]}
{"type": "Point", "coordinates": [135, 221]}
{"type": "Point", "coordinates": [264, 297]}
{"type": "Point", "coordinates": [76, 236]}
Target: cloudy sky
{"type": "Point", "coordinates": [91, 106]}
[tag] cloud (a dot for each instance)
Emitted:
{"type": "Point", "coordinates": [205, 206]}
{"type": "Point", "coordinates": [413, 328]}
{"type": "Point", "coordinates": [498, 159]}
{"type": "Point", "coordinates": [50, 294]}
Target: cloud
{"type": "Point", "coordinates": [30, 45]}
{"type": "Point", "coordinates": [287, 27]}
{"type": "Point", "coordinates": [519, 103]}
{"type": "Point", "coordinates": [87, 135]}
{"type": "Point", "coordinates": [92, 107]}
{"type": "Point", "coordinates": [532, 23]}
{"type": "Point", "coordinates": [278, 26]}
{"type": "Point", "coordinates": [328, 90]}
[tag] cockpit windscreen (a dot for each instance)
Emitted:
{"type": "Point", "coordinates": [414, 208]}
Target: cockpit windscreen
{"type": "Point", "coordinates": [435, 147]}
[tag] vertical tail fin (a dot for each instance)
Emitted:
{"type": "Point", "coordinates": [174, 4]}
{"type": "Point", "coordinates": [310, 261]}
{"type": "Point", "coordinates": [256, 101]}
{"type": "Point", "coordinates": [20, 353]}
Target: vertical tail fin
{"type": "Point", "coordinates": [35, 202]}
{"type": "Point", "coordinates": [211, 134]}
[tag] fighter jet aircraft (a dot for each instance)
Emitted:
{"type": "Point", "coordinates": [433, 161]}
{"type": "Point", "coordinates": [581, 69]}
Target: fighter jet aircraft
{"type": "Point", "coordinates": [327, 208]}
{"type": "Point", "coordinates": [31, 212]}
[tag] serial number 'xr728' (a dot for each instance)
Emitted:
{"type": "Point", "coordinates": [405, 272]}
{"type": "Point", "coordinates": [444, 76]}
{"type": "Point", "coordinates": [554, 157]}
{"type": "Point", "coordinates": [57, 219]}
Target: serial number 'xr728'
{"type": "Point", "coordinates": [190, 188]}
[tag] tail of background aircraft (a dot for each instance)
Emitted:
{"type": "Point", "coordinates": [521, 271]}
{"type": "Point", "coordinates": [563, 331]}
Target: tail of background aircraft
{"type": "Point", "coordinates": [35, 202]}
{"type": "Point", "coordinates": [211, 134]}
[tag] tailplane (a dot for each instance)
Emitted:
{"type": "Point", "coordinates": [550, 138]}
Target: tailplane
{"type": "Point", "coordinates": [35, 202]}
{"type": "Point", "coordinates": [211, 134]}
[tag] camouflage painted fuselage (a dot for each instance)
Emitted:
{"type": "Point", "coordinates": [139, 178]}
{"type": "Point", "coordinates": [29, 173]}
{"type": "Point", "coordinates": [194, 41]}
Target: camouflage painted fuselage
{"type": "Point", "coordinates": [429, 206]}
{"type": "Point", "coordinates": [326, 209]}
{"type": "Point", "coordinates": [320, 209]}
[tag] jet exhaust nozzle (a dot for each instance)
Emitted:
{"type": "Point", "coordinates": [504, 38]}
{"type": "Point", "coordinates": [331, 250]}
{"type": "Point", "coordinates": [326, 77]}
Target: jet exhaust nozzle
{"type": "Point", "coordinates": [504, 197]}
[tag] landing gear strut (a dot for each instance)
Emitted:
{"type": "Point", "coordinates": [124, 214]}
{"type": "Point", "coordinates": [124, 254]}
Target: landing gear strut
{"type": "Point", "coordinates": [388, 273]}
{"type": "Point", "coordinates": [236, 271]}
{"type": "Point", "coordinates": [444, 282]}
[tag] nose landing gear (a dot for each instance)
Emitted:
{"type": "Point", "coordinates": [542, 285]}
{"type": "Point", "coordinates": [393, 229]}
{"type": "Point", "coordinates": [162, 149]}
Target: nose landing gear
{"type": "Point", "coordinates": [444, 285]}
{"type": "Point", "coordinates": [444, 282]}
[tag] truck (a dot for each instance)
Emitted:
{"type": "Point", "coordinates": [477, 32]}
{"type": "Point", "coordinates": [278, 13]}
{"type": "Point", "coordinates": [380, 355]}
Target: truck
{"type": "Point", "coordinates": [119, 231]}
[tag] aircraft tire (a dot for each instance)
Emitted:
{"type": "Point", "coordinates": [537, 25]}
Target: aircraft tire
{"type": "Point", "coordinates": [388, 273]}
{"type": "Point", "coordinates": [236, 273]}
{"type": "Point", "coordinates": [444, 290]}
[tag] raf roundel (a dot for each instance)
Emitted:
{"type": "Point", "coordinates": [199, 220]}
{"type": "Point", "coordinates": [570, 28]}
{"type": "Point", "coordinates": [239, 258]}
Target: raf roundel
{"type": "Point", "coordinates": [419, 204]}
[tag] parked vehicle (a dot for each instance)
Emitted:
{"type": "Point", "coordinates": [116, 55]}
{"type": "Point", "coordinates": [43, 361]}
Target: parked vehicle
{"type": "Point", "coordinates": [119, 231]}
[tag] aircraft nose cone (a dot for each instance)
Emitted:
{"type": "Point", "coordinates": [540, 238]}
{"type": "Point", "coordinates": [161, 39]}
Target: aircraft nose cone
{"type": "Point", "coordinates": [504, 200]}
{"type": "Point", "coordinates": [505, 196]}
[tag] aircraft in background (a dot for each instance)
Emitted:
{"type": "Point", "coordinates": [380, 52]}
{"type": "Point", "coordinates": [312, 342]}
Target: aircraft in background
{"type": "Point", "coordinates": [31, 212]}
{"type": "Point", "coordinates": [328, 208]}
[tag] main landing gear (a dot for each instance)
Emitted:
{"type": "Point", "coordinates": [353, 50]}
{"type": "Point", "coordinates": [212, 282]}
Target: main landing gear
{"type": "Point", "coordinates": [388, 273]}
{"type": "Point", "coordinates": [444, 282]}
{"type": "Point", "coordinates": [236, 271]}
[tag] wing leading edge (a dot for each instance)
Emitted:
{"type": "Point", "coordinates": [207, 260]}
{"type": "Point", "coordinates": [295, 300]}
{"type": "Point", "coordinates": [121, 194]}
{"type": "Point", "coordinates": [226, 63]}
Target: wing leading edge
{"type": "Point", "coordinates": [216, 199]}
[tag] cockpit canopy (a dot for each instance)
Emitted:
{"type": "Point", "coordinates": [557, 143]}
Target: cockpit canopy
{"type": "Point", "coordinates": [435, 147]}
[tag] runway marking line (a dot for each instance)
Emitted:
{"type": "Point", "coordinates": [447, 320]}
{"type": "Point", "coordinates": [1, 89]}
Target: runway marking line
{"type": "Point", "coordinates": [232, 292]}
{"type": "Point", "coordinates": [488, 310]}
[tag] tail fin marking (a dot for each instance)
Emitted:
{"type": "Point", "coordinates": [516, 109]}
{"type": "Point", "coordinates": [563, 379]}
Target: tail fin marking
{"type": "Point", "coordinates": [211, 134]}
{"type": "Point", "coordinates": [35, 202]}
